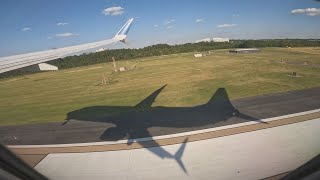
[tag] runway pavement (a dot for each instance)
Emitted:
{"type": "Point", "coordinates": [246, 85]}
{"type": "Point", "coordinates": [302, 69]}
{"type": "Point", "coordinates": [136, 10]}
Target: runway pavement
{"type": "Point", "coordinates": [259, 107]}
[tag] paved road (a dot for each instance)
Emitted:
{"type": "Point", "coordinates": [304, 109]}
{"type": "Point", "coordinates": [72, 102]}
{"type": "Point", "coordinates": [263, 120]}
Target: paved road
{"type": "Point", "coordinates": [251, 109]}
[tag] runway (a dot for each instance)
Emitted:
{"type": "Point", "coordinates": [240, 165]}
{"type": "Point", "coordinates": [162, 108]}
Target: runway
{"type": "Point", "coordinates": [259, 107]}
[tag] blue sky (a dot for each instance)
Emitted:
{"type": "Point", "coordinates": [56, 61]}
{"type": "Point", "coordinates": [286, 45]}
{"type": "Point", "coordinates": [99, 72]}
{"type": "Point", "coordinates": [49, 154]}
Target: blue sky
{"type": "Point", "coordinates": [34, 25]}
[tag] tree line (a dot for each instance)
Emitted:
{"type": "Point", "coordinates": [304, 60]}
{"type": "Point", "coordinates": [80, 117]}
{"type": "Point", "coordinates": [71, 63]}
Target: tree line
{"type": "Point", "coordinates": [165, 49]}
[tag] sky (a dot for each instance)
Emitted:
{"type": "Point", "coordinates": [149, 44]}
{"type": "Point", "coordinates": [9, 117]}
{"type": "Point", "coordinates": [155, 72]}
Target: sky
{"type": "Point", "coordinates": [34, 25]}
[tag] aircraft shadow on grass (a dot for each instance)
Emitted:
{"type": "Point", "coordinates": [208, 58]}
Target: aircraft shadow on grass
{"type": "Point", "coordinates": [135, 121]}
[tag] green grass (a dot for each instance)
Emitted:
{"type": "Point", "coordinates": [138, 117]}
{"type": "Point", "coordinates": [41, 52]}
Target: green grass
{"type": "Point", "coordinates": [49, 96]}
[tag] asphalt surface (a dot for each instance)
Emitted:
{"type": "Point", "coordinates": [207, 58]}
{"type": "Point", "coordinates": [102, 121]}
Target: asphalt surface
{"type": "Point", "coordinates": [137, 124]}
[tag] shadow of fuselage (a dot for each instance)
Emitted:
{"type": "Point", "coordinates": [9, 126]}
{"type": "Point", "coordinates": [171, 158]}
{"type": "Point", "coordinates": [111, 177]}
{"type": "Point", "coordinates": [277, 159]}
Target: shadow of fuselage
{"type": "Point", "coordinates": [133, 122]}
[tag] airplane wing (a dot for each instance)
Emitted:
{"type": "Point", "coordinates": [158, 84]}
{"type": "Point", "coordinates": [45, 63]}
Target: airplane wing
{"type": "Point", "coordinates": [19, 61]}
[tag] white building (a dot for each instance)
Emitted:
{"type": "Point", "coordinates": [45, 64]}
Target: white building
{"type": "Point", "coordinates": [203, 40]}
{"type": "Point", "coordinates": [40, 67]}
{"type": "Point", "coordinates": [198, 55]}
{"type": "Point", "coordinates": [244, 51]}
{"type": "Point", "coordinates": [122, 69]}
{"type": "Point", "coordinates": [220, 39]}
{"type": "Point", "coordinates": [101, 49]}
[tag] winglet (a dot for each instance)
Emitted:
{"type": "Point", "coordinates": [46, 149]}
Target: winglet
{"type": "Point", "coordinates": [123, 32]}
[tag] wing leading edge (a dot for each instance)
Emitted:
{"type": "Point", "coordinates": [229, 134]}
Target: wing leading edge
{"type": "Point", "coordinates": [19, 61]}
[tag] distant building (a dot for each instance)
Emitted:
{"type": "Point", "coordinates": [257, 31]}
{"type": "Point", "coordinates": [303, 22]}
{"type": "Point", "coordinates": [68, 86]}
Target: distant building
{"type": "Point", "coordinates": [40, 67]}
{"type": "Point", "coordinates": [203, 40]}
{"type": "Point", "coordinates": [244, 51]}
{"type": "Point", "coordinates": [122, 69]}
{"type": "Point", "coordinates": [198, 55]}
{"type": "Point", "coordinates": [220, 39]}
{"type": "Point", "coordinates": [101, 49]}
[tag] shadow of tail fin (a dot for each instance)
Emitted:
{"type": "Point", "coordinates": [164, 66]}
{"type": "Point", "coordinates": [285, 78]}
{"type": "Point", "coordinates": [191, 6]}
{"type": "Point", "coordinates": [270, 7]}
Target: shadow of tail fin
{"type": "Point", "coordinates": [220, 103]}
{"type": "Point", "coordinates": [220, 100]}
{"type": "Point", "coordinates": [179, 153]}
{"type": "Point", "coordinates": [147, 102]}
{"type": "Point", "coordinates": [219, 96]}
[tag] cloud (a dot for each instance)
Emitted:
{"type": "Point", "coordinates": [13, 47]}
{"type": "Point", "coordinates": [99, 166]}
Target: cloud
{"type": "Point", "coordinates": [235, 15]}
{"type": "Point", "coordinates": [113, 11]}
{"type": "Point", "coordinates": [226, 25]}
{"type": "Point", "coordinates": [66, 35]}
{"type": "Point", "coordinates": [156, 25]}
{"type": "Point", "coordinates": [307, 11]}
{"type": "Point", "coordinates": [50, 37]}
{"type": "Point", "coordinates": [298, 11]}
{"type": "Point", "coordinates": [169, 21]}
{"type": "Point", "coordinates": [62, 23]}
{"type": "Point", "coordinates": [26, 29]}
{"type": "Point", "coordinates": [313, 11]}
{"type": "Point", "coordinates": [199, 20]}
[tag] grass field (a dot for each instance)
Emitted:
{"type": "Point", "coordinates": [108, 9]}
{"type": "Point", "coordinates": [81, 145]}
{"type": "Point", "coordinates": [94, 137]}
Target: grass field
{"type": "Point", "coordinates": [49, 96]}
